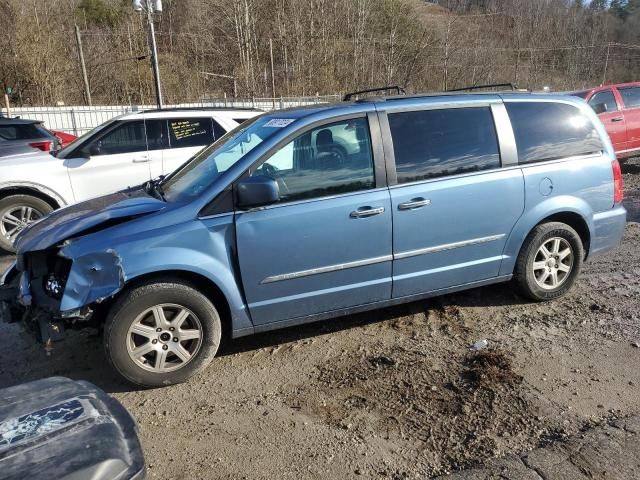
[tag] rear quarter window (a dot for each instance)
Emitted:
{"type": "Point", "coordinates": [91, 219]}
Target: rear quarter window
{"type": "Point", "coordinates": [193, 132]}
{"type": "Point", "coordinates": [549, 131]}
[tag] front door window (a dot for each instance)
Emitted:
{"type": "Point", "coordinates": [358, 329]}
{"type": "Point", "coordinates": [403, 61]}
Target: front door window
{"type": "Point", "coordinates": [328, 160]}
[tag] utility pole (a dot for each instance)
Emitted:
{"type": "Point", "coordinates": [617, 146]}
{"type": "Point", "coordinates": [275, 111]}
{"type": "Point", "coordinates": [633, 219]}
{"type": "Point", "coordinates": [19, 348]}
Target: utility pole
{"type": "Point", "coordinates": [606, 65]}
{"type": "Point", "coordinates": [6, 104]}
{"type": "Point", "coordinates": [154, 56]}
{"type": "Point", "coordinates": [152, 6]}
{"type": "Point", "coordinates": [85, 79]}
{"type": "Point", "coordinates": [273, 79]}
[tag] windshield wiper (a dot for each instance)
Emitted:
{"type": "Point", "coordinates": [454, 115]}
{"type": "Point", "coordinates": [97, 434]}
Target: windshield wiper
{"type": "Point", "coordinates": [154, 187]}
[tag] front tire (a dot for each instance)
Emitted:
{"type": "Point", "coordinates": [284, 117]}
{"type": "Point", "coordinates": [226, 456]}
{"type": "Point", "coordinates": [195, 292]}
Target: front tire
{"type": "Point", "coordinates": [161, 333]}
{"type": "Point", "coordinates": [549, 261]}
{"type": "Point", "coordinates": [16, 212]}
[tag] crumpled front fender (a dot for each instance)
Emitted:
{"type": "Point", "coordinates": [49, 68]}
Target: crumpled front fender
{"type": "Point", "coordinates": [93, 277]}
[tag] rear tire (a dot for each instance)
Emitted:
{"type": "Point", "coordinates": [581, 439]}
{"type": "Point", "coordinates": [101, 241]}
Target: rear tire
{"type": "Point", "coordinates": [161, 333]}
{"type": "Point", "coordinates": [16, 212]}
{"type": "Point", "coordinates": [549, 261]}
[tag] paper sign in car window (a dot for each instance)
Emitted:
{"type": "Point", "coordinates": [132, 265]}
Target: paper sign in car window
{"type": "Point", "coordinates": [279, 122]}
{"type": "Point", "coordinates": [186, 129]}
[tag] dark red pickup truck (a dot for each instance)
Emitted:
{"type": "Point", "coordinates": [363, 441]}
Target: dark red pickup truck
{"type": "Point", "coordinates": [618, 107]}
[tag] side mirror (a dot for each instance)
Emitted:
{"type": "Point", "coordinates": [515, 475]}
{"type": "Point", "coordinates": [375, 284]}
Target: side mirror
{"type": "Point", "coordinates": [600, 108]}
{"type": "Point", "coordinates": [257, 191]}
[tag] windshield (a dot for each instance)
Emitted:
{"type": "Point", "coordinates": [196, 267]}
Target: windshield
{"type": "Point", "coordinates": [201, 171]}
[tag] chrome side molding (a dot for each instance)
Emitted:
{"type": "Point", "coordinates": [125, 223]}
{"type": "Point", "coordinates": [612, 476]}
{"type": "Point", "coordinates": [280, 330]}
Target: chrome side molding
{"type": "Point", "coordinates": [384, 258]}
{"type": "Point", "coordinates": [447, 246]}
{"type": "Point", "coordinates": [327, 269]}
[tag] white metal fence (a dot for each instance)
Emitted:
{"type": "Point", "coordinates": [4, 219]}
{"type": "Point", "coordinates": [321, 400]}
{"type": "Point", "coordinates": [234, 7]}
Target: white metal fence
{"type": "Point", "coordinates": [80, 119]}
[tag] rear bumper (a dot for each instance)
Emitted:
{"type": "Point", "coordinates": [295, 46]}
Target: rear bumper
{"type": "Point", "coordinates": [609, 230]}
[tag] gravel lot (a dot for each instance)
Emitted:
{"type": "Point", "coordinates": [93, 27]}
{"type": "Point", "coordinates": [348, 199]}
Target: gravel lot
{"type": "Point", "coordinates": [388, 394]}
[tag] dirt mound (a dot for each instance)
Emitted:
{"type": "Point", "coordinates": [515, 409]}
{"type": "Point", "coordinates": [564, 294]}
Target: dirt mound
{"type": "Point", "coordinates": [490, 368]}
{"type": "Point", "coordinates": [445, 409]}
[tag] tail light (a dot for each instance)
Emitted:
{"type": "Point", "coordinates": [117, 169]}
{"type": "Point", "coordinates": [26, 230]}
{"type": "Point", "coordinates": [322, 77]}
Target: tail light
{"type": "Point", "coordinates": [618, 193]}
{"type": "Point", "coordinates": [45, 146]}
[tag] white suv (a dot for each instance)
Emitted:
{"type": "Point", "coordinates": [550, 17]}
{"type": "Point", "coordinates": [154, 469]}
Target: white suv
{"type": "Point", "coordinates": [125, 151]}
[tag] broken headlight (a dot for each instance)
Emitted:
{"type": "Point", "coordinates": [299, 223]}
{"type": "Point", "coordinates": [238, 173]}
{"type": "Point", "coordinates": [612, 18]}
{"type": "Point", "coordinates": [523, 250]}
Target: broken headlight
{"type": "Point", "coordinates": [49, 270]}
{"type": "Point", "coordinates": [54, 285]}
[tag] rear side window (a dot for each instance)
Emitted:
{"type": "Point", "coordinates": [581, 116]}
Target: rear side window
{"type": "Point", "coordinates": [193, 132]}
{"type": "Point", "coordinates": [157, 134]}
{"type": "Point", "coordinates": [630, 96]}
{"type": "Point", "coordinates": [22, 131]}
{"type": "Point", "coordinates": [436, 143]}
{"type": "Point", "coordinates": [605, 98]}
{"type": "Point", "coordinates": [548, 130]}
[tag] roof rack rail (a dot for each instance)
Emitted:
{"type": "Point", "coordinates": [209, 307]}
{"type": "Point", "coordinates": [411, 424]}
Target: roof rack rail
{"type": "Point", "coordinates": [489, 85]}
{"type": "Point", "coordinates": [397, 88]}
{"type": "Point", "coordinates": [174, 109]}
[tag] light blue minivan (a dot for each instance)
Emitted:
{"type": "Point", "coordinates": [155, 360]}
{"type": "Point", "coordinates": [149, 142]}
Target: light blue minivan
{"type": "Point", "coordinates": [311, 213]}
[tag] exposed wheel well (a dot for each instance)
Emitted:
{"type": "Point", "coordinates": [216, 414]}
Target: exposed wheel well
{"type": "Point", "coordinates": [575, 221]}
{"type": "Point", "coordinates": [200, 282]}
{"type": "Point", "coordinates": [8, 191]}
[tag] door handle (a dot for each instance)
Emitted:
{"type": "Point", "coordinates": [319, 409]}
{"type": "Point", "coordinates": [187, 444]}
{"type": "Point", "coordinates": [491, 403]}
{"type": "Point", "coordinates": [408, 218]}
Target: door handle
{"type": "Point", "coordinates": [141, 160]}
{"type": "Point", "coordinates": [617, 119]}
{"type": "Point", "coordinates": [364, 212]}
{"type": "Point", "coordinates": [414, 203]}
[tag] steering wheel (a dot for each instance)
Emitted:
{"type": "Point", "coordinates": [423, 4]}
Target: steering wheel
{"type": "Point", "coordinates": [276, 174]}
{"type": "Point", "coordinates": [337, 154]}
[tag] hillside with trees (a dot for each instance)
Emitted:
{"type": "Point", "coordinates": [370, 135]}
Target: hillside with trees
{"type": "Point", "coordinates": [318, 46]}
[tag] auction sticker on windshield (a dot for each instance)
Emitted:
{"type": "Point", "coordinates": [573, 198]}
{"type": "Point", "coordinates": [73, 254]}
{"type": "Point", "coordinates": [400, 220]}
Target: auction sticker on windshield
{"type": "Point", "coordinates": [279, 122]}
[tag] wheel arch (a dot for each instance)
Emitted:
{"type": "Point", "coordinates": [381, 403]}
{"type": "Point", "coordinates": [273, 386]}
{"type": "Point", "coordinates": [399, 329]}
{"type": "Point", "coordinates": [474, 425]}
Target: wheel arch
{"type": "Point", "coordinates": [569, 210]}
{"type": "Point", "coordinates": [575, 221]}
{"type": "Point", "coordinates": [200, 282]}
{"type": "Point", "coordinates": [38, 191]}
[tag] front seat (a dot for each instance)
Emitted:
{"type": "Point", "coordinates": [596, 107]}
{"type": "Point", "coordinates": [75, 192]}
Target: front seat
{"type": "Point", "coordinates": [327, 156]}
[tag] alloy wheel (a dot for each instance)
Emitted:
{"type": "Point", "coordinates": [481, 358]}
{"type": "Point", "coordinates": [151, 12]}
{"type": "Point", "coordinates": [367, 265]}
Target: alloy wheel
{"type": "Point", "coordinates": [553, 263]}
{"type": "Point", "coordinates": [15, 219]}
{"type": "Point", "coordinates": [164, 338]}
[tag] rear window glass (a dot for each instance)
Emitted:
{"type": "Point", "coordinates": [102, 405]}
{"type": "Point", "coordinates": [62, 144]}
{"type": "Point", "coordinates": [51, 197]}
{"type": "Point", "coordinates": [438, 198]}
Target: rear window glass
{"type": "Point", "coordinates": [548, 130]}
{"type": "Point", "coordinates": [630, 96]}
{"type": "Point", "coordinates": [436, 143]}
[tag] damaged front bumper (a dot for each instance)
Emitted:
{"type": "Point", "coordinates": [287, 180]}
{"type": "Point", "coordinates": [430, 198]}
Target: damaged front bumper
{"type": "Point", "coordinates": [46, 290]}
{"type": "Point", "coordinates": [15, 306]}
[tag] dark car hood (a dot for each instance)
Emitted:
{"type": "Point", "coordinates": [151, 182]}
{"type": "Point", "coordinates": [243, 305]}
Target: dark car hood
{"type": "Point", "coordinates": [71, 221]}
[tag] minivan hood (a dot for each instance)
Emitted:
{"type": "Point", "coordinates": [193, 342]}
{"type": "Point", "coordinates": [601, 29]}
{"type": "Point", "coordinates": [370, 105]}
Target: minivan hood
{"type": "Point", "coordinates": [70, 221]}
